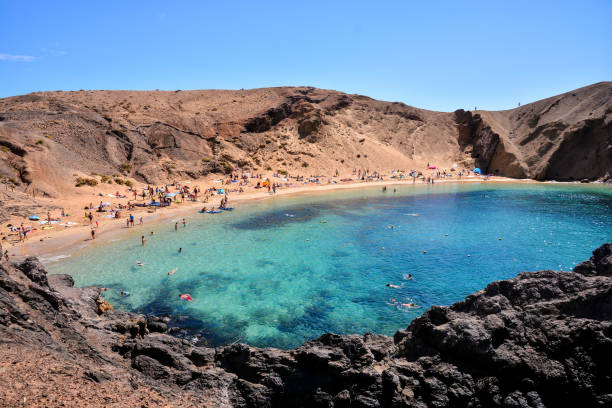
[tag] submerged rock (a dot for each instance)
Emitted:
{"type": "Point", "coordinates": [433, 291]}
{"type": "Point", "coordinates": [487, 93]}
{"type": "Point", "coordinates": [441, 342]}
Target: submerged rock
{"type": "Point", "coordinates": [542, 339]}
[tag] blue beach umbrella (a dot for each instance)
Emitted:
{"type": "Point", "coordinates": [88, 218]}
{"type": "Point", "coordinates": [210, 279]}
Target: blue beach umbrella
{"type": "Point", "coordinates": [477, 170]}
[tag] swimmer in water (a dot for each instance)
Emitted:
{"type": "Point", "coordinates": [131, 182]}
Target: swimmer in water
{"type": "Point", "coordinates": [103, 289]}
{"type": "Point", "coordinates": [409, 305]}
{"type": "Point", "coordinates": [172, 272]}
{"type": "Point", "coordinates": [143, 240]}
{"type": "Point", "coordinates": [187, 297]}
{"type": "Point", "coordinates": [125, 293]}
{"type": "Point", "coordinates": [393, 286]}
{"type": "Point", "coordinates": [139, 263]}
{"type": "Point", "coordinates": [409, 277]}
{"type": "Point", "coordinates": [180, 250]}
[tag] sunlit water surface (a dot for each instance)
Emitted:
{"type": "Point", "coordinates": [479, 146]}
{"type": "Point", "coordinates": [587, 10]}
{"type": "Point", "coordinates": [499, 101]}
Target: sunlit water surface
{"type": "Point", "coordinates": [285, 270]}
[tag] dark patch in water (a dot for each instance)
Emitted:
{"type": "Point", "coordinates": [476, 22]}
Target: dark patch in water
{"type": "Point", "coordinates": [277, 219]}
{"type": "Point", "coordinates": [262, 263]}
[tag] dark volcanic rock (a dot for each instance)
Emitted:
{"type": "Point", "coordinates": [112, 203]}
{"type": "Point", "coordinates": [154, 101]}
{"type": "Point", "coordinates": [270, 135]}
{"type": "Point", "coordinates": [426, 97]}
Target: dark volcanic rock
{"type": "Point", "coordinates": [599, 264]}
{"type": "Point", "coordinates": [542, 339]}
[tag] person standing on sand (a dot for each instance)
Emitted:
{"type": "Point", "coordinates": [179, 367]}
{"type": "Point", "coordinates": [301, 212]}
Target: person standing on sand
{"type": "Point", "coordinates": [90, 216]}
{"type": "Point", "coordinates": [132, 219]}
{"type": "Point", "coordinates": [93, 234]}
{"type": "Point", "coordinates": [141, 221]}
{"type": "Point", "coordinates": [176, 226]}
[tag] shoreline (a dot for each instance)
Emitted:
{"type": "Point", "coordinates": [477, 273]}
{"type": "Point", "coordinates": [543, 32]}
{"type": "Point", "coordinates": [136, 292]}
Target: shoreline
{"type": "Point", "coordinates": [67, 241]}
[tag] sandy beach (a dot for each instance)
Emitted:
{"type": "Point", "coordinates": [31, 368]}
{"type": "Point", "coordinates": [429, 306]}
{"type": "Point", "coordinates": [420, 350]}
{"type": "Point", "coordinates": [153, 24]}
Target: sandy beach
{"type": "Point", "coordinates": [60, 241]}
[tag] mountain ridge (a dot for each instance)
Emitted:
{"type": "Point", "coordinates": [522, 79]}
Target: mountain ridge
{"type": "Point", "coordinates": [158, 136]}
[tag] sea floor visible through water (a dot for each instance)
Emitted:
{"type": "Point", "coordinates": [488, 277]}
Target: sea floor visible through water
{"type": "Point", "coordinates": [286, 270]}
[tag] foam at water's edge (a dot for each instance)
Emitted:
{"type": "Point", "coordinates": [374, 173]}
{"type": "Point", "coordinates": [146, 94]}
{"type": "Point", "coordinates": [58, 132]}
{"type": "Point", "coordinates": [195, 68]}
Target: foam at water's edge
{"type": "Point", "coordinates": [52, 259]}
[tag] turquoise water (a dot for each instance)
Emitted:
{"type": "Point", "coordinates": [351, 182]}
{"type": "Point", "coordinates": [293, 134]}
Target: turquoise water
{"type": "Point", "coordinates": [285, 270]}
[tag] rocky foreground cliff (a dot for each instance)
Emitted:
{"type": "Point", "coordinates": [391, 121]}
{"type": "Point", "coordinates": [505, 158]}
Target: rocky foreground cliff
{"type": "Point", "coordinates": [542, 339]}
{"type": "Point", "coordinates": [49, 138]}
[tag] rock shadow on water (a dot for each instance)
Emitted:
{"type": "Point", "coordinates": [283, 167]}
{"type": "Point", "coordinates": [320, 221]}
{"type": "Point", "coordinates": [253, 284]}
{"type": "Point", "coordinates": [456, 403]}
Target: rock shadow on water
{"type": "Point", "coordinates": [206, 327]}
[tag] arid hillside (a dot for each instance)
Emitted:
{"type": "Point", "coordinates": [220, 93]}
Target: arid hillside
{"type": "Point", "coordinates": [565, 137]}
{"type": "Point", "coordinates": [47, 139]}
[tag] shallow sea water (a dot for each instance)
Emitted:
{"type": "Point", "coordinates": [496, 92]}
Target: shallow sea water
{"type": "Point", "coordinates": [286, 270]}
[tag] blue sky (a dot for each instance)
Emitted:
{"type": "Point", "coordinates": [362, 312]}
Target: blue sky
{"type": "Point", "coordinates": [437, 55]}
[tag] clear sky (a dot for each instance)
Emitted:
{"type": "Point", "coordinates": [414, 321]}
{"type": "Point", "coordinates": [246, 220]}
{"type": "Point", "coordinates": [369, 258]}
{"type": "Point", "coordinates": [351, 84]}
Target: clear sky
{"type": "Point", "coordinates": [439, 55]}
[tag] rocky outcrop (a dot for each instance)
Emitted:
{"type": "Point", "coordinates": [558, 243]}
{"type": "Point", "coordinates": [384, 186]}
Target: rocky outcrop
{"type": "Point", "coordinates": [542, 339]}
{"type": "Point", "coordinates": [476, 138]}
{"type": "Point", "coordinates": [272, 117]}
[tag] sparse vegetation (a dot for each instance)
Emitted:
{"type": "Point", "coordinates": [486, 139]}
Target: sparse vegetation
{"type": "Point", "coordinates": [304, 164]}
{"type": "Point", "coordinates": [106, 179]}
{"type": "Point", "coordinates": [206, 160]}
{"type": "Point", "coordinates": [126, 168]}
{"type": "Point", "coordinates": [84, 181]}
{"type": "Point", "coordinates": [40, 142]}
{"type": "Point", "coordinates": [119, 181]}
{"type": "Point", "coordinates": [227, 168]}
{"type": "Point", "coordinates": [227, 157]}
{"type": "Point", "coordinates": [281, 171]}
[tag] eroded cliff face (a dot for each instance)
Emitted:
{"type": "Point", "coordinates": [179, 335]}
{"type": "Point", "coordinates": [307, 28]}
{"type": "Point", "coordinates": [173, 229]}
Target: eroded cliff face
{"type": "Point", "coordinates": [567, 137]}
{"type": "Point", "coordinates": [542, 339]}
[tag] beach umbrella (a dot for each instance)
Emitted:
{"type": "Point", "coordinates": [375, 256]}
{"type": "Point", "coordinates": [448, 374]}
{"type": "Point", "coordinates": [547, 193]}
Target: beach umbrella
{"type": "Point", "coordinates": [105, 204]}
{"type": "Point", "coordinates": [455, 165]}
{"type": "Point", "coordinates": [171, 194]}
{"type": "Point", "coordinates": [477, 170]}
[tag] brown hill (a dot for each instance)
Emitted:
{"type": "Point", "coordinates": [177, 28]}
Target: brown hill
{"type": "Point", "coordinates": [155, 136]}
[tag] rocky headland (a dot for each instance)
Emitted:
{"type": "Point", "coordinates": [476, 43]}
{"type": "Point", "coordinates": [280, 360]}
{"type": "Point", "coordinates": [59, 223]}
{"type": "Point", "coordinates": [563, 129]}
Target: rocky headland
{"type": "Point", "coordinates": [541, 339]}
